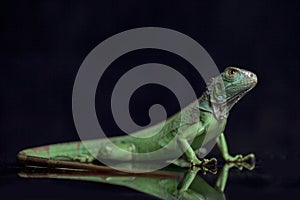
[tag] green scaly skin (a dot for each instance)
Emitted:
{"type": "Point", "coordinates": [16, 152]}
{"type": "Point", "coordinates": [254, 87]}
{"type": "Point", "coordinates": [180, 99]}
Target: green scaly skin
{"type": "Point", "coordinates": [203, 120]}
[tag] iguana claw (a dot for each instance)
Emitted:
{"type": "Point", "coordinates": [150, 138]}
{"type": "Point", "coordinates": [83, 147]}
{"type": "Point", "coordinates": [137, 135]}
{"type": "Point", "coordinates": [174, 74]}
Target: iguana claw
{"type": "Point", "coordinates": [208, 162]}
{"type": "Point", "coordinates": [207, 165]}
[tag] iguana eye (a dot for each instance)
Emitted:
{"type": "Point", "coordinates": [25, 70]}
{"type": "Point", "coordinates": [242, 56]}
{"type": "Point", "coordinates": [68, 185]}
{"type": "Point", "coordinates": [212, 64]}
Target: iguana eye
{"type": "Point", "coordinates": [231, 72]}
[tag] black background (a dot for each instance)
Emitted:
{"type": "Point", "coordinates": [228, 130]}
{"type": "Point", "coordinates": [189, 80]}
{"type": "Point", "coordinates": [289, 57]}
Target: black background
{"type": "Point", "coordinates": [43, 44]}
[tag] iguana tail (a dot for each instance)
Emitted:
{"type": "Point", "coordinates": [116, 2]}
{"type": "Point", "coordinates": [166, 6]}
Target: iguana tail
{"type": "Point", "coordinates": [78, 151]}
{"type": "Point", "coordinates": [71, 151]}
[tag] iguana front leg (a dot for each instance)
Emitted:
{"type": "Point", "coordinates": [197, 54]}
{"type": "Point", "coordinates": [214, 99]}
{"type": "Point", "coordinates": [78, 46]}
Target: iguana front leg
{"type": "Point", "coordinates": [222, 145]}
{"type": "Point", "coordinates": [191, 156]}
{"type": "Point", "coordinates": [189, 152]}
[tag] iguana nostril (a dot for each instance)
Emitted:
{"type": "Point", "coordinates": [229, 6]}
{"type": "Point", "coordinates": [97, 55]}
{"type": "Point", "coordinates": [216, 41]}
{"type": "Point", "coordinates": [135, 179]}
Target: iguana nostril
{"type": "Point", "coordinates": [253, 77]}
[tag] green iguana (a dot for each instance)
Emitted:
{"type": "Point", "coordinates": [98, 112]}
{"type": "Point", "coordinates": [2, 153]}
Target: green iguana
{"type": "Point", "coordinates": [194, 127]}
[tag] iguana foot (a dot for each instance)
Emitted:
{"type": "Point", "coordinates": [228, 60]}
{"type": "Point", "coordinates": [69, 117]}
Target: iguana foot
{"type": "Point", "coordinates": [240, 161]}
{"type": "Point", "coordinates": [207, 165]}
{"type": "Point", "coordinates": [240, 158]}
{"type": "Point", "coordinates": [204, 162]}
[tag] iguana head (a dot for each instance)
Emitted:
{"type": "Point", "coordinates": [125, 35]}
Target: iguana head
{"type": "Point", "coordinates": [225, 90]}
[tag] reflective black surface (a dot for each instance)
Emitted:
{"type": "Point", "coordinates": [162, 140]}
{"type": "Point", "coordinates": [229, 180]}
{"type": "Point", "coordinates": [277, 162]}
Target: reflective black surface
{"type": "Point", "coordinates": [43, 44]}
{"type": "Point", "coordinates": [270, 179]}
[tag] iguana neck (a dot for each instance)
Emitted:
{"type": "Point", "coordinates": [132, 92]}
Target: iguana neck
{"type": "Point", "coordinates": [219, 110]}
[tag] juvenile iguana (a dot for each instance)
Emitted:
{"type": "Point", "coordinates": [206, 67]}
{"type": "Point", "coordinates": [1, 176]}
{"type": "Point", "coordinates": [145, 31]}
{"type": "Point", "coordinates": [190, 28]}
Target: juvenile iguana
{"type": "Point", "coordinates": [194, 127]}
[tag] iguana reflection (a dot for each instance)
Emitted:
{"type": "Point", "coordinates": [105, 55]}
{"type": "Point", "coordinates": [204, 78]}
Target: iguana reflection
{"type": "Point", "coordinates": [169, 183]}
